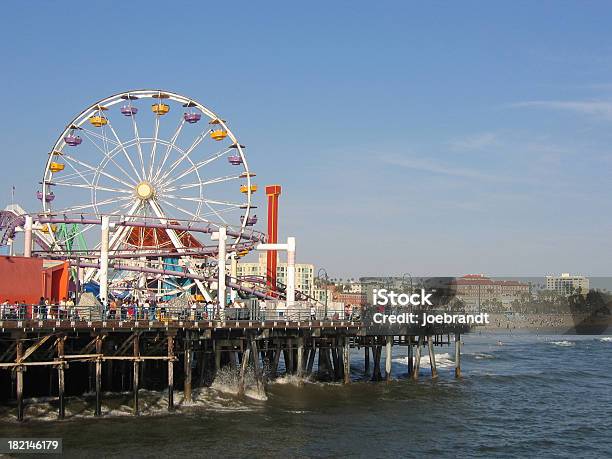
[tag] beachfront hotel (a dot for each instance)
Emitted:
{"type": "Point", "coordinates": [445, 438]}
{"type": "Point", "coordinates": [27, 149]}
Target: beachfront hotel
{"type": "Point", "coordinates": [304, 273]}
{"type": "Point", "coordinates": [566, 284]}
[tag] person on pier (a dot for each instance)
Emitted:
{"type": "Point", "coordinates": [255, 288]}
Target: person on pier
{"type": "Point", "coordinates": [62, 309]}
{"type": "Point", "coordinates": [112, 315]}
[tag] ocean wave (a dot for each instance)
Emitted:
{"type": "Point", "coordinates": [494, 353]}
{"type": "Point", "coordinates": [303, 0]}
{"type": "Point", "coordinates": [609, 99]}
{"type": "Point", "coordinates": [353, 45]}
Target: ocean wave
{"type": "Point", "coordinates": [442, 361]}
{"type": "Point", "coordinates": [292, 380]}
{"type": "Point", "coordinates": [607, 339]}
{"type": "Point", "coordinates": [482, 356]}
{"type": "Point", "coordinates": [152, 403]}
{"type": "Point", "coordinates": [564, 343]}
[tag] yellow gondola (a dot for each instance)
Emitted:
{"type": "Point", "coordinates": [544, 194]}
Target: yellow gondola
{"type": "Point", "coordinates": [160, 109]}
{"type": "Point", "coordinates": [218, 134]}
{"type": "Point", "coordinates": [242, 253]}
{"type": "Point", "coordinates": [45, 228]}
{"type": "Point", "coordinates": [56, 167]}
{"type": "Point", "coordinates": [98, 120]}
{"type": "Point", "coordinates": [245, 188]}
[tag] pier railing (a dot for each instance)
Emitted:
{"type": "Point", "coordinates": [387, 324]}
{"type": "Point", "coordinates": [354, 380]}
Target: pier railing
{"type": "Point", "coordinates": [164, 312]}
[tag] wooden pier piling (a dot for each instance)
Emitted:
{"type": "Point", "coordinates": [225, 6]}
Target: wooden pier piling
{"type": "Point", "coordinates": [136, 377]}
{"type": "Point", "coordinates": [170, 340]}
{"type": "Point", "coordinates": [19, 383]}
{"type": "Point", "coordinates": [187, 361]}
{"type": "Point", "coordinates": [277, 354]}
{"type": "Point", "coordinates": [410, 357]}
{"type": "Point", "coordinates": [417, 358]}
{"type": "Point", "coordinates": [432, 357]}
{"type": "Point", "coordinates": [257, 367]}
{"type": "Point", "coordinates": [60, 376]}
{"type": "Point", "coordinates": [98, 409]}
{"type": "Point", "coordinates": [457, 355]}
{"type": "Point", "coordinates": [300, 357]}
{"type": "Point", "coordinates": [388, 357]}
{"type": "Point", "coordinates": [376, 352]}
{"type": "Point", "coordinates": [243, 369]}
{"type": "Point", "coordinates": [311, 358]}
{"type": "Point", "coordinates": [347, 360]}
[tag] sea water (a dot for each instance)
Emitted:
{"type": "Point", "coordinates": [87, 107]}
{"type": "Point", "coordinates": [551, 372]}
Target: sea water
{"type": "Point", "coordinates": [521, 395]}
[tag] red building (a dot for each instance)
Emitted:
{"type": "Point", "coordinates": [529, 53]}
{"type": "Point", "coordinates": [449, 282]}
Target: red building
{"type": "Point", "coordinates": [473, 285]}
{"type": "Point", "coordinates": [28, 279]}
{"type": "Point", "coordinates": [354, 299]}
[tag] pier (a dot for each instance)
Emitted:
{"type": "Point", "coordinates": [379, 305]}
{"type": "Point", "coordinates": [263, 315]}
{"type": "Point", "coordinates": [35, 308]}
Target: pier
{"type": "Point", "coordinates": [72, 357]}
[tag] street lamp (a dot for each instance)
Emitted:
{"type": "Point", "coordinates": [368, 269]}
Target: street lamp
{"type": "Point", "coordinates": [326, 282]}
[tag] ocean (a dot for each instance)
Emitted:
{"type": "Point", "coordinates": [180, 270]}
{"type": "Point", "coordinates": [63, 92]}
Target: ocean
{"type": "Point", "coordinates": [521, 395]}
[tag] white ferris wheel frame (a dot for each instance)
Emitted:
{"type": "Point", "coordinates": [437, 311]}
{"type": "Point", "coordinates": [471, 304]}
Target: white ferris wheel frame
{"type": "Point", "coordinates": [121, 147]}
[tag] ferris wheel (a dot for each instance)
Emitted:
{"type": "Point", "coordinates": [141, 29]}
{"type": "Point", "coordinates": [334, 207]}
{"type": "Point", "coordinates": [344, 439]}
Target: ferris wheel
{"type": "Point", "coordinates": [152, 156]}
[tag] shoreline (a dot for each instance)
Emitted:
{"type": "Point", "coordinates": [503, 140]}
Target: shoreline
{"type": "Point", "coordinates": [583, 324]}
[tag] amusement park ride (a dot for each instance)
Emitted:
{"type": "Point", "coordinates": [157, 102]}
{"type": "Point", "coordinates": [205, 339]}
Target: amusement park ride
{"type": "Point", "coordinates": [148, 194]}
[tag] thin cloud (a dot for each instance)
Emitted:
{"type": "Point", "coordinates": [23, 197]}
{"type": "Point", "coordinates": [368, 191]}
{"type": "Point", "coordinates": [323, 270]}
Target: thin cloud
{"type": "Point", "coordinates": [600, 109]}
{"type": "Point", "coordinates": [439, 168]}
{"type": "Point", "coordinates": [475, 142]}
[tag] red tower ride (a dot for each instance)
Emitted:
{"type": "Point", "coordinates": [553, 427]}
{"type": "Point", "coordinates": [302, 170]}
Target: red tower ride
{"type": "Point", "coordinates": [273, 192]}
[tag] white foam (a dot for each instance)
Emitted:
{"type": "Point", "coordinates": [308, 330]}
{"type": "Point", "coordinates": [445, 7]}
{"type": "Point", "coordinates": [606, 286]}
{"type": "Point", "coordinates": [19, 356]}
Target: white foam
{"type": "Point", "coordinates": [442, 361]}
{"type": "Point", "coordinates": [227, 381]}
{"type": "Point", "coordinates": [482, 356]}
{"type": "Point", "coordinates": [293, 380]}
{"type": "Point", "coordinates": [607, 339]}
{"type": "Point", "coordinates": [563, 343]}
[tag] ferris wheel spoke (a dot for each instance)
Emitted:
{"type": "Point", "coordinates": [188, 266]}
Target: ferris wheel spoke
{"type": "Point", "coordinates": [96, 204]}
{"type": "Point", "coordinates": [184, 156]}
{"type": "Point", "coordinates": [138, 146]}
{"type": "Point", "coordinates": [89, 132]}
{"type": "Point", "coordinates": [210, 201]}
{"type": "Point", "coordinates": [97, 170]}
{"type": "Point", "coordinates": [122, 146]}
{"type": "Point", "coordinates": [196, 166]}
{"type": "Point", "coordinates": [170, 147]}
{"type": "Point", "coordinates": [218, 211]}
{"type": "Point", "coordinates": [154, 148]}
{"type": "Point", "coordinates": [198, 184]}
{"type": "Point", "coordinates": [110, 158]}
{"type": "Point", "coordinates": [223, 203]}
{"type": "Point", "coordinates": [72, 175]}
{"type": "Point", "coordinates": [217, 214]}
{"type": "Point", "coordinates": [119, 235]}
{"type": "Point", "coordinates": [98, 187]}
{"type": "Point", "coordinates": [174, 238]}
{"type": "Point", "coordinates": [77, 173]}
{"type": "Point", "coordinates": [170, 196]}
{"type": "Point", "coordinates": [165, 201]}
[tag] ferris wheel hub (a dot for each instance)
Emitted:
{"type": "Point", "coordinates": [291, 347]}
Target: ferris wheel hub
{"type": "Point", "coordinates": [144, 190]}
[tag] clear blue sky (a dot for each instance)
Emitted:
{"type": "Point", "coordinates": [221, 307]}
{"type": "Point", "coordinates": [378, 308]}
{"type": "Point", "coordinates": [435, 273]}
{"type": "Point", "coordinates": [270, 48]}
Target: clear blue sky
{"type": "Point", "coordinates": [431, 137]}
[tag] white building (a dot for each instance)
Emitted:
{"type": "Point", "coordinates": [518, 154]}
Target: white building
{"type": "Point", "coordinates": [304, 273]}
{"type": "Point", "coordinates": [566, 284]}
